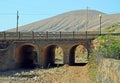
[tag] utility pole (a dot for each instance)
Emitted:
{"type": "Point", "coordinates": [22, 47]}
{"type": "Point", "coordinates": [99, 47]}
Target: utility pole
{"type": "Point", "coordinates": [100, 17]}
{"type": "Point", "coordinates": [17, 22]}
{"type": "Point", "coordinates": [86, 21]}
{"type": "Point", "coordinates": [86, 25]}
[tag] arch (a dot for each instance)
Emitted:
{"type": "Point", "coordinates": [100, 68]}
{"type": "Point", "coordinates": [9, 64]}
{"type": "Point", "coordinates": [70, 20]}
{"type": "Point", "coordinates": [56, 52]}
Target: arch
{"type": "Point", "coordinates": [75, 54]}
{"type": "Point", "coordinates": [49, 56]}
{"type": "Point", "coordinates": [26, 56]}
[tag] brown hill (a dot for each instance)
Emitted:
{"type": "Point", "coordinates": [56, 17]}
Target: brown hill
{"type": "Point", "coordinates": [72, 21]}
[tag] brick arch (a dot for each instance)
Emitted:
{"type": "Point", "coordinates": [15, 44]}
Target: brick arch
{"type": "Point", "coordinates": [49, 55]}
{"type": "Point", "coordinates": [26, 56]}
{"type": "Point", "coordinates": [72, 53]}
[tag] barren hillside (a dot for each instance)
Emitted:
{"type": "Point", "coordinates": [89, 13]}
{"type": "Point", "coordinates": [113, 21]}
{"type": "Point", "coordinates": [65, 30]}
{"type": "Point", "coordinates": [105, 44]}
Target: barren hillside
{"type": "Point", "coordinates": [72, 21]}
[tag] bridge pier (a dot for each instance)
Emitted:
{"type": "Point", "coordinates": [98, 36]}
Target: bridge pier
{"type": "Point", "coordinates": [66, 55]}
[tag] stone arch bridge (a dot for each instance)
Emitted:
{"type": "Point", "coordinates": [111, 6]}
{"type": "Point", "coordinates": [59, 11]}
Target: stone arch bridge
{"type": "Point", "coordinates": [17, 49]}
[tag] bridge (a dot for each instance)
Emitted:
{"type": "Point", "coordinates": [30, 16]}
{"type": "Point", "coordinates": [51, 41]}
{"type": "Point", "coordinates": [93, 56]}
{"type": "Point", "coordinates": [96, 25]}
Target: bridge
{"type": "Point", "coordinates": [30, 49]}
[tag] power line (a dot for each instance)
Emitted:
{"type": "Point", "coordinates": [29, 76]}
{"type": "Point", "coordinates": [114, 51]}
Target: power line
{"type": "Point", "coordinates": [38, 13]}
{"type": "Point", "coordinates": [21, 14]}
{"type": "Point", "coordinates": [7, 14]}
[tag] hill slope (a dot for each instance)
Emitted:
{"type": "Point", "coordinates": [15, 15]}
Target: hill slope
{"type": "Point", "coordinates": [72, 21]}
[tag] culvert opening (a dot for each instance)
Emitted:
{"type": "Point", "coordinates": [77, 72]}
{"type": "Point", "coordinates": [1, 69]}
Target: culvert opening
{"type": "Point", "coordinates": [27, 57]}
{"type": "Point", "coordinates": [4, 45]}
{"type": "Point", "coordinates": [53, 56]}
{"type": "Point", "coordinates": [78, 56]}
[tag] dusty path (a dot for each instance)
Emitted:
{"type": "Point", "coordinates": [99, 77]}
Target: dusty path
{"type": "Point", "coordinates": [76, 74]}
{"type": "Point", "coordinates": [64, 74]}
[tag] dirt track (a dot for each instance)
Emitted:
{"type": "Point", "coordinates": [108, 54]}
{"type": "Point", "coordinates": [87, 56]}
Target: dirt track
{"type": "Point", "coordinates": [64, 74]}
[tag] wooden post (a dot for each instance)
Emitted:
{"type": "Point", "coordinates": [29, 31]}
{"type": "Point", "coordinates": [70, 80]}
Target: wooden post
{"type": "Point", "coordinates": [86, 34]}
{"type": "Point", "coordinates": [18, 35]}
{"type": "Point", "coordinates": [60, 34]}
{"type": "Point", "coordinates": [73, 34]}
{"type": "Point", "coordinates": [32, 34]}
{"type": "Point", "coordinates": [47, 34]}
{"type": "Point", "coordinates": [4, 35]}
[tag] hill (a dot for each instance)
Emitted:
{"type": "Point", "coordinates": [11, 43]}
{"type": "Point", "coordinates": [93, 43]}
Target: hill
{"type": "Point", "coordinates": [114, 29]}
{"type": "Point", "coordinates": [72, 21]}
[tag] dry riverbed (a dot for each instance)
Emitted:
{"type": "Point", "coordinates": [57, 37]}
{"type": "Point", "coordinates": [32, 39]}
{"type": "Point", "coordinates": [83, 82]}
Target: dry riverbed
{"type": "Point", "coordinates": [63, 74]}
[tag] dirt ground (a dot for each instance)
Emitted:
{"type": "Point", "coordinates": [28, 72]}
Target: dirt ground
{"type": "Point", "coordinates": [63, 74]}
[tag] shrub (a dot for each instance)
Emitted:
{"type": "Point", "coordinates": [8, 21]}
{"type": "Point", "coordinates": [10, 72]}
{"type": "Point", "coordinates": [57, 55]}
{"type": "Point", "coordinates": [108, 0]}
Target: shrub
{"type": "Point", "coordinates": [109, 47]}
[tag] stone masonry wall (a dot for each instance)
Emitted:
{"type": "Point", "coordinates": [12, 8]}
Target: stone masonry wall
{"type": "Point", "coordinates": [109, 71]}
{"type": "Point", "coordinates": [9, 50]}
{"type": "Point", "coordinates": [6, 59]}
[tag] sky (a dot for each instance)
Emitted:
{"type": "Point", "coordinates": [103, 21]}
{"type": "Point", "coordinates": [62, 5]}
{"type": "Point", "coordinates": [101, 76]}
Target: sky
{"type": "Point", "coordinates": [35, 10]}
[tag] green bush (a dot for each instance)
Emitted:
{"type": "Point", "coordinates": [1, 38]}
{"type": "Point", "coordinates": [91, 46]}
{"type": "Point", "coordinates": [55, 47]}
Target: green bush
{"type": "Point", "coordinates": [109, 47]}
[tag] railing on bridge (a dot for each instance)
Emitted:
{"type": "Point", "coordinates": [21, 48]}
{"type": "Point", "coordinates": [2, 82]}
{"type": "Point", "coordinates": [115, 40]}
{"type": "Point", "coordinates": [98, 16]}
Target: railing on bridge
{"type": "Point", "coordinates": [50, 35]}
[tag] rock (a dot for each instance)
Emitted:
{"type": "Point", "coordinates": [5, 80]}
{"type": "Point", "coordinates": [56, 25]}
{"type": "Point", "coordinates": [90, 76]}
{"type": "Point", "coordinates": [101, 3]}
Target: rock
{"type": "Point", "coordinates": [109, 71]}
{"type": "Point", "coordinates": [35, 78]}
{"type": "Point", "coordinates": [32, 72]}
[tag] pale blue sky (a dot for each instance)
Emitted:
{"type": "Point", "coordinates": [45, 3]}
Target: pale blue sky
{"type": "Point", "coordinates": [35, 10]}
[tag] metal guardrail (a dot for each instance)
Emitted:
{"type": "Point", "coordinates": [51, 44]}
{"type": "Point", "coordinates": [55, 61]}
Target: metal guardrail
{"type": "Point", "coordinates": [51, 35]}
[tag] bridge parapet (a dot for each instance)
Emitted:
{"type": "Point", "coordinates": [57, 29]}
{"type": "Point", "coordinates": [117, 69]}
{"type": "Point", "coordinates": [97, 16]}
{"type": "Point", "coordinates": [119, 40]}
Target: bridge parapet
{"type": "Point", "coordinates": [49, 35]}
{"type": "Point", "coordinates": [52, 35]}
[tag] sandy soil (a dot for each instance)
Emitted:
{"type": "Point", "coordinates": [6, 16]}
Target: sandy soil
{"type": "Point", "coordinates": [63, 74]}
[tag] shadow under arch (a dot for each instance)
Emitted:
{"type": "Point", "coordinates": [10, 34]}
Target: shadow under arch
{"type": "Point", "coordinates": [50, 56]}
{"type": "Point", "coordinates": [73, 55]}
{"type": "Point", "coordinates": [26, 56]}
